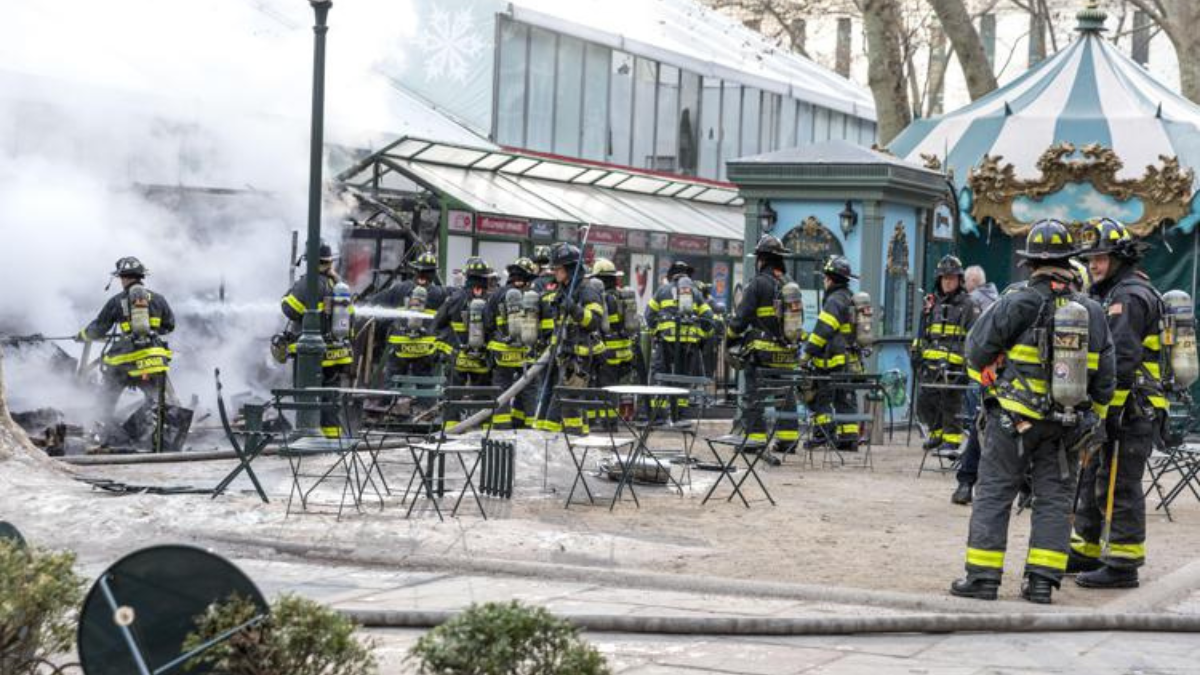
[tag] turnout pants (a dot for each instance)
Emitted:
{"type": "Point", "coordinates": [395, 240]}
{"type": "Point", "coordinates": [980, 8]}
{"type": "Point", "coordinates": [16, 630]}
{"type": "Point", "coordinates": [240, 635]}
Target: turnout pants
{"type": "Point", "coordinates": [1127, 541]}
{"type": "Point", "coordinates": [1006, 458]}
{"type": "Point", "coordinates": [786, 431]}
{"type": "Point", "coordinates": [513, 415]}
{"type": "Point", "coordinates": [676, 358]}
{"type": "Point", "coordinates": [571, 371]}
{"type": "Point", "coordinates": [968, 469]}
{"type": "Point", "coordinates": [939, 410]}
{"type": "Point", "coordinates": [831, 400]}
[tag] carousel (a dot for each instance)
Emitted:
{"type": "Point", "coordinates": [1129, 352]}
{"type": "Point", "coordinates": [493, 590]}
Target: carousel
{"type": "Point", "coordinates": [1084, 134]}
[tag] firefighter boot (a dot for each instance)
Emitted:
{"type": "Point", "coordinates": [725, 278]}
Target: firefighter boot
{"type": "Point", "coordinates": [1109, 577]}
{"type": "Point", "coordinates": [1080, 563]}
{"type": "Point", "coordinates": [931, 442]}
{"type": "Point", "coordinates": [962, 495]}
{"type": "Point", "coordinates": [1037, 589]}
{"type": "Point", "coordinates": [979, 589]}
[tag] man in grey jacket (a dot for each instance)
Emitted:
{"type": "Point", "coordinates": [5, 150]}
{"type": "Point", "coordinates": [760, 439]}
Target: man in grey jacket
{"type": "Point", "coordinates": [981, 294]}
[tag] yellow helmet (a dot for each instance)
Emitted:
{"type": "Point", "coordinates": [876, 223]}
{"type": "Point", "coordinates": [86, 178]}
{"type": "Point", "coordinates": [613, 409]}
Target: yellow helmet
{"type": "Point", "coordinates": [603, 267]}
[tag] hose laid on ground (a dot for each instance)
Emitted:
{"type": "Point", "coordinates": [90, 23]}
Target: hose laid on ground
{"type": "Point", "coordinates": [823, 625]}
{"type": "Point", "coordinates": [506, 397]}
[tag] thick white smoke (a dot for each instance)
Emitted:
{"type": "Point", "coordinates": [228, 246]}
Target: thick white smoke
{"type": "Point", "coordinates": [105, 106]}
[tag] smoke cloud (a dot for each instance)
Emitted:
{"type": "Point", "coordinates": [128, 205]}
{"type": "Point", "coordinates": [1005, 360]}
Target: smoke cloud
{"type": "Point", "coordinates": [105, 108]}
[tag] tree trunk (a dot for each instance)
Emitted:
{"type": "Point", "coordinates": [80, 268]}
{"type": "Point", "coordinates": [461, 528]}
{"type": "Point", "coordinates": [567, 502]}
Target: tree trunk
{"type": "Point", "coordinates": [1184, 15]}
{"type": "Point", "coordinates": [885, 68]}
{"type": "Point", "coordinates": [965, 39]}
{"type": "Point", "coordinates": [935, 75]}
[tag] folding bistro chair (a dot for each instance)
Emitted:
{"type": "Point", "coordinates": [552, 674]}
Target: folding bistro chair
{"type": "Point", "coordinates": [688, 429]}
{"type": "Point", "coordinates": [254, 439]}
{"type": "Point", "coordinates": [303, 445]}
{"type": "Point", "coordinates": [582, 401]}
{"type": "Point", "coordinates": [764, 404]}
{"type": "Point", "coordinates": [429, 456]}
{"type": "Point", "coordinates": [874, 396]}
{"type": "Point", "coordinates": [400, 424]}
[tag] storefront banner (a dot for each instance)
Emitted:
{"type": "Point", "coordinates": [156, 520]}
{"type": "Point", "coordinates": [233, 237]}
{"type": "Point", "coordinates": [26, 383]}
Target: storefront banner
{"type": "Point", "coordinates": [460, 221]}
{"type": "Point", "coordinates": [508, 227]}
{"type": "Point", "coordinates": [716, 246]}
{"type": "Point", "coordinates": [688, 243]}
{"type": "Point", "coordinates": [659, 241]}
{"type": "Point", "coordinates": [637, 239]}
{"type": "Point", "coordinates": [606, 235]}
{"type": "Point", "coordinates": [568, 232]}
{"type": "Point", "coordinates": [720, 281]}
{"type": "Point", "coordinates": [541, 229]}
{"type": "Point", "coordinates": [641, 278]}
{"type": "Point", "coordinates": [736, 248]}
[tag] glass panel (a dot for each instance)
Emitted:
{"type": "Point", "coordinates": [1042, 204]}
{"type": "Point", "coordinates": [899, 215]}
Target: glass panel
{"type": "Point", "coordinates": [731, 124]}
{"type": "Point", "coordinates": [458, 249]}
{"type": "Point", "coordinates": [787, 123]}
{"type": "Point", "coordinates": [751, 109]}
{"type": "Point", "coordinates": [539, 127]}
{"type": "Point", "coordinates": [820, 124]}
{"type": "Point", "coordinates": [837, 125]}
{"type": "Point", "coordinates": [554, 171]}
{"type": "Point", "coordinates": [569, 96]}
{"type": "Point", "coordinates": [770, 122]}
{"type": "Point", "coordinates": [619, 113]}
{"type": "Point", "coordinates": [595, 102]}
{"type": "Point", "coordinates": [409, 147]}
{"type": "Point", "coordinates": [448, 154]}
{"type": "Point", "coordinates": [666, 144]}
{"type": "Point", "coordinates": [491, 161]}
{"type": "Point", "coordinates": [710, 128]}
{"type": "Point", "coordinates": [689, 123]}
{"type": "Point", "coordinates": [519, 165]}
{"type": "Point", "coordinates": [644, 184]}
{"type": "Point", "coordinates": [510, 97]}
{"type": "Point", "coordinates": [589, 176]}
{"type": "Point", "coordinates": [644, 89]}
{"type": "Point", "coordinates": [804, 124]}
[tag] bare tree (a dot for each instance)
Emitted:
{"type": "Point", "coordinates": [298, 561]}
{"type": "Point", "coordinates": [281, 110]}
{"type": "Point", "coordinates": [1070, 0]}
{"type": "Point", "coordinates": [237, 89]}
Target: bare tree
{"type": "Point", "coordinates": [885, 68]}
{"type": "Point", "coordinates": [956, 21]}
{"type": "Point", "coordinates": [1180, 20]}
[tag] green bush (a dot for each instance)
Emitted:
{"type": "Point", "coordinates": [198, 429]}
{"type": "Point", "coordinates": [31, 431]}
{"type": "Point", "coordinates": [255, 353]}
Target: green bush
{"type": "Point", "coordinates": [300, 637]}
{"type": "Point", "coordinates": [39, 595]}
{"type": "Point", "coordinates": [506, 639]}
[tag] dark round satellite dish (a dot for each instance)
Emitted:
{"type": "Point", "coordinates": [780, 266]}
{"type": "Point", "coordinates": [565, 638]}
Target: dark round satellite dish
{"type": "Point", "coordinates": [138, 613]}
{"type": "Point", "coordinates": [10, 532]}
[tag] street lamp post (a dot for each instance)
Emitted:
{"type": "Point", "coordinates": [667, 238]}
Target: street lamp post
{"type": "Point", "coordinates": [310, 348]}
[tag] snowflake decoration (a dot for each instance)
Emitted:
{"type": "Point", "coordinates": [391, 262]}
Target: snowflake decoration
{"type": "Point", "coordinates": [451, 43]}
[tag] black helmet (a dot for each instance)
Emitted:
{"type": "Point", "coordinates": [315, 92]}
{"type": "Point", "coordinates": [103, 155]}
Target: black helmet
{"type": "Point", "coordinates": [1102, 236]}
{"type": "Point", "coordinates": [541, 254]}
{"type": "Point", "coordinates": [839, 268]}
{"type": "Point", "coordinates": [564, 255]}
{"type": "Point", "coordinates": [770, 245]}
{"type": "Point", "coordinates": [476, 267]}
{"type": "Point", "coordinates": [1050, 240]}
{"type": "Point", "coordinates": [522, 268]}
{"type": "Point", "coordinates": [326, 253]}
{"type": "Point", "coordinates": [949, 265]}
{"type": "Point", "coordinates": [426, 262]}
{"type": "Point", "coordinates": [679, 267]}
{"type": "Point", "coordinates": [129, 266]}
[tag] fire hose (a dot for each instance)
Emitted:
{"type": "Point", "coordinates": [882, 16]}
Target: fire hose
{"type": "Point", "coordinates": [507, 395]}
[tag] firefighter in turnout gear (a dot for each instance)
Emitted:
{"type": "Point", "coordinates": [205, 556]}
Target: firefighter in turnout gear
{"type": "Point", "coordinates": [947, 316]}
{"type": "Point", "coordinates": [829, 350]}
{"type": "Point", "coordinates": [333, 302]}
{"type": "Point", "coordinates": [620, 330]}
{"type": "Point", "coordinates": [1046, 356]}
{"type": "Point", "coordinates": [1135, 415]}
{"type": "Point", "coordinates": [412, 346]}
{"type": "Point", "coordinates": [576, 311]}
{"type": "Point", "coordinates": [765, 335]}
{"type": "Point", "coordinates": [545, 281]}
{"type": "Point", "coordinates": [461, 327]}
{"type": "Point", "coordinates": [680, 322]}
{"type": "Point", "coordinates": [512, 325]}
{"type": "Point", "coordinates": [136, 356]}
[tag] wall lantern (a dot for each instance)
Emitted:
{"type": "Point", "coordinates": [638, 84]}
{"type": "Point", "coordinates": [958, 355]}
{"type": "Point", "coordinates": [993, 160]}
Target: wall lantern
{"type": "Point", "coordinates": [848, 219]}
{"type": "Point", "coordinates": [766, 217]}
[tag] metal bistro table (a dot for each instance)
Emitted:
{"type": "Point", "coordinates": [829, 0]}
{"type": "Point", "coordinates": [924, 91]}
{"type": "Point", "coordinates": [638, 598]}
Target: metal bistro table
{"type": "Point", "coordinates": [640, 448]}
{"type": "Point", "coordinates": [347, 394]}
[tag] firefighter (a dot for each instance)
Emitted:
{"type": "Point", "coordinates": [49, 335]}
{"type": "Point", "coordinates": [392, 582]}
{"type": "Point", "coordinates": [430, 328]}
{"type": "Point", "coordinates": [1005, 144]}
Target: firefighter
{"type": "Point", "coordinates": [412, 346]}
{"type": "Point", "coordinates": [460, 325]}
{"type": "Point", "coordinates": [1046, 356]}
{"type": "Point", "coordinates": [545, 281]}
{"type": "Point", "coordinates": [137, 357]}
{"type": "Point", "coordinates": [1139, 407]}
{"type": "Point", "coordinates": [680, 322]}
{"type": "Point", "coordinates": [830, 350]}
{"type": "Point", "coordinates": [947, 316]}
{"type": "Point", "coordinates": [621, 331]}
{"type": "Point", "coordinates": [576, 311]}
{"type": "Point", "coordinates": [333, 302]}
{"type": "Point", "coordinates": [509, 343]}
{"type": "Point", "coordinates": [765, 335]}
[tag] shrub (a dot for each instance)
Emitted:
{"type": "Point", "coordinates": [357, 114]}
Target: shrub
{"type": "Point", "coordinates": [39, 595]}
{"type": "Point", "coordinates": [300, 637]}
{"type": "Point", "coordinates": [506, 639]}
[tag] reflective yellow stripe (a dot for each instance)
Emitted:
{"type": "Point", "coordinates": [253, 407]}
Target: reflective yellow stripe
{"type": "Point", "coordinates": [1152, 342]}
{"type": "Point", "coordinates": [331, 432]}
{"type": "Point", "coordinates": [949, 329]}
{"type": "Point", "coordinates": [845, 328]}
{"type": "Point", "coordinates": [1119, 398]}
{"type": "Point", "coordinates": [653, 304]}
{"type": "Point", "coordinates": [1035, 385]}
{"type": "Point", "coordinates": [942, 355]}
{"type": "Point", "coordinates": [1101, 410]}
{"type": "Point", "coordinates": [1159, 402]}
{"type": "Point", "coordinates": [817, 340]}
{"type": "Point", "coordinates": [1046, 558]}
{"type": "Point", "coordinates": [764, 311]}
{"type": "Point", "coordinates": [139, 355]}
{"type": "Point", "coordinates": [1024, 354]}
{"type": "Point", "coordinates": [952, 438]}
{"type": "Point", "coordinates": [759, 436]}
{"type": "Point", "coordinates": [847, 429]}
{"type": "Point", "coordinates": [1084, 547]}
{"type": "Point", "coordinates": [829, 320]}
{"type": "Point", "coordinates": [546, 324]}
{"type": "Point", "coordinates": [982, 558]}
{"type": "Point", "coordinates": [831, 362]}
{"type": "Point", "coordinates": [1127, 551]}
{"type": "Point", "coordinates": [1019, 408]}
{"type": "Point", "coordinates": [458, 326]}
{"type": "Point", "coordinates": [1152, 370]}
{"type": "Point", "coordinates": [1093, 361]}
{"type": "Point", "coordinates": [975, 375]}
{"type": "Point", "coordinates": [294, 302]}
{"type": "Point", "coordinates": [665, 303]}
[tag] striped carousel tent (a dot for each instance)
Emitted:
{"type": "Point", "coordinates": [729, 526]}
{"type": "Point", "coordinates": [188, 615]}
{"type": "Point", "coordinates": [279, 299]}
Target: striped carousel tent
{"type": "Point", "coordinates": [1088, 93]}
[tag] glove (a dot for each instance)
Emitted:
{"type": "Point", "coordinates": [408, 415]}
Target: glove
{"type": "Point", "coordinates": [987, 375]}
{"type": "Point", "coordinates": [81, 336]}
{"type": "Point", "coordinates": [571, 308]}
